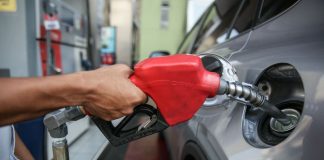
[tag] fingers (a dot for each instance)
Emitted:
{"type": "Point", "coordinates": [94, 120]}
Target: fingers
{"type": "Point", "coordinates": [123, 69]}
{"type": "Point", "coordinates": [139, 97]}
{"type": "Point", "coordinates": [127, 111]}
{"type": "Point", "coordinates": [112, 115]}
{"type": "Point", "coordinates": [114, 95]}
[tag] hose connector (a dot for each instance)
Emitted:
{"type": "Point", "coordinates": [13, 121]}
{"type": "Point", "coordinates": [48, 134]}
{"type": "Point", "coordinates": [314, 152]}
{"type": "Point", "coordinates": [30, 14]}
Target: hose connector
{"type": "Point", "coordinates": [253, 97]}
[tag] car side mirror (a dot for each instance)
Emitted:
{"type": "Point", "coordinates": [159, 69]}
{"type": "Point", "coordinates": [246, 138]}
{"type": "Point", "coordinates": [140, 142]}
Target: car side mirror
{"type": "Point", "coordinates": [159, 54]}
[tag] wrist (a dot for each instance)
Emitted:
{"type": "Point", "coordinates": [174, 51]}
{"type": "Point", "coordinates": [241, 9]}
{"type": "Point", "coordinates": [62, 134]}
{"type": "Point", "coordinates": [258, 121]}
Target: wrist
{"type": "Point", "coordinates": [70, 89]}
{"type": "Point", "coordinates": [83, 86]}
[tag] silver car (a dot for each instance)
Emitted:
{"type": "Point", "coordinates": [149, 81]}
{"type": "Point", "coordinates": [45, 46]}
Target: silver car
{"type": "Point", "coordinates": [276, 45]}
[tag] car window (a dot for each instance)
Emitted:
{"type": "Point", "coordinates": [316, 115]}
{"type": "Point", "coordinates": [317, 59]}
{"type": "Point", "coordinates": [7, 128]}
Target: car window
{"type": "Point", "coordinates": [246, 14]}
{"type": "Point", "coordinates": [216, 25]}
{"type": "Point", "coordinates": [271, 8]}
{"type": "Point", "coordinates": [187, 43]}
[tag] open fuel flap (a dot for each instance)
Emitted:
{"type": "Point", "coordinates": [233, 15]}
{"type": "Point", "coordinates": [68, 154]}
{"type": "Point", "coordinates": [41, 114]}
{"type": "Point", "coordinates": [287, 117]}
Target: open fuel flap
{"type": "Point", "coordinates": [283, 87]}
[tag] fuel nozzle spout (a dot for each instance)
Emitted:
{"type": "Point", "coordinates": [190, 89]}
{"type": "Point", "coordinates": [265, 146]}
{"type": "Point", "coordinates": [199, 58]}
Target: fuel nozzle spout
{"type": "Point", "coordinates": [239, 90]}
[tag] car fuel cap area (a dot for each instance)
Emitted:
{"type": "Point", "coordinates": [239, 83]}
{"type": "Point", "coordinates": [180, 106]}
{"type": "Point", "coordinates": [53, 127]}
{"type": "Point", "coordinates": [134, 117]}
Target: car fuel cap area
{"type": "Point", "coordinates": [283, 87]}
{"type": "Point", "coordinates": [292, 114]}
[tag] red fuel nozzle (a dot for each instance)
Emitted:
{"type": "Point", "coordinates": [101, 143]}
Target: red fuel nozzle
{"type": "Point", "coordinates": [178, 84]}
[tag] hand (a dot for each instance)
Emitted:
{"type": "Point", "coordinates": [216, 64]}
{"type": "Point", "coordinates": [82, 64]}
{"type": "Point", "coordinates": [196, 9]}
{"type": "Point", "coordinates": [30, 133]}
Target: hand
{"type": "Point", "coordinates": [112, 95]}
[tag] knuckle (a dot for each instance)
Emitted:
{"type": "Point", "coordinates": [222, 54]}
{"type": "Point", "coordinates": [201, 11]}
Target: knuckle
{"type": "Point", "coordinates": [127, 111]}
{"type": "Point", "coordinates": [123, 67]}
{"type": "Point", "coordinates": [107, 118]}
{"type": "Point", "coordinates": [111, 117]}
{"type": "Point", "coordinates": [116, 114]}
{"type": "Point", "coordinates": [140, 98]}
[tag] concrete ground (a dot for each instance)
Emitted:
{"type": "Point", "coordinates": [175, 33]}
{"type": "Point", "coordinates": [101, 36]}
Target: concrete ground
{"type": "Point", "coordinates": [86, 147]}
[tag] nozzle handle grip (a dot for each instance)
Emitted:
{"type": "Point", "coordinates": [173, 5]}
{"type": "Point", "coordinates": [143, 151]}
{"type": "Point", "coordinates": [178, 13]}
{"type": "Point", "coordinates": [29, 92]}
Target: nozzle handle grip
{"type": "Point", "coordinates": [118, 135]}
{"type": "Point", "coordinates": [178, 84]}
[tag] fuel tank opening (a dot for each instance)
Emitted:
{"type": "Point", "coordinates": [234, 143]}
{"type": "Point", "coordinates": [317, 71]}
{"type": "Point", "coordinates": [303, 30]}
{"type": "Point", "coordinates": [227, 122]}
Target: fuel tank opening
{"type": "Point", "coordinates": [283, 87]}
{"type": "Point", "coordinates": [271, 132]}
{"type": "Point", "coordinates": [277, 127]}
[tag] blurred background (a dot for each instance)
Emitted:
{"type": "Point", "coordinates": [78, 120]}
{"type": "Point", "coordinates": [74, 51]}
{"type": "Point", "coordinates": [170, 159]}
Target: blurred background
{"type": "Point", "coordinates": [49, 37]}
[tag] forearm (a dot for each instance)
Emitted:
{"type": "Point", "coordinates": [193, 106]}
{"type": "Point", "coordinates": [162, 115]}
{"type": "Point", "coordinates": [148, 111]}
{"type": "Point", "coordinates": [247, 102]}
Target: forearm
{"type": "Point", "coordinates": [27, 98]}
{"type": "Point", "coordinates": [106, 93]}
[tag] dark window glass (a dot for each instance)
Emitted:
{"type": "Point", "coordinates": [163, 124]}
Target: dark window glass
{"type": "Point", "coordinates": [186, 45]}
{"type": "Point", "coordinates": [271, 8]}
{"type": "Point", "coordinates": [188, 42]}
{"type": "Point", "coordinates": [216, 25]}
{"type": "Point", "coordinates": [245, 17]}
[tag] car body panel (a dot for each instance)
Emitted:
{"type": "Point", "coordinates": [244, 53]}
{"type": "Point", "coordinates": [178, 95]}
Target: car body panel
{"type": "Point", "coordinates": [173, 137]}
{"type": "Point", "coordinates": [295, 37]}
